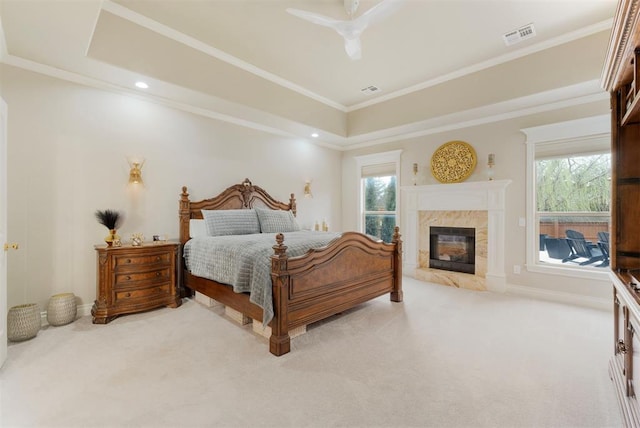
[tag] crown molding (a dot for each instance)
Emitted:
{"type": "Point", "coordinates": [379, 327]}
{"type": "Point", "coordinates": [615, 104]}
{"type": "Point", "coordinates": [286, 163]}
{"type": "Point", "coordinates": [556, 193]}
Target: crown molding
{"type": "Point", "coordinates": [235, 114]}
{"type": "Point", "coordinates": [574, 95]}
{"type": "Point", "coordinates": [582, 93]}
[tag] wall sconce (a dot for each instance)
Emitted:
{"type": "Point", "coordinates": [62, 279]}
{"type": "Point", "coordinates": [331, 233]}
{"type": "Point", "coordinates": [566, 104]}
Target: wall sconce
{"type": "Point", "coordinates": [307, 189]}
{"type": "Point", "coordinates": [491, 161]}
{"type": "Point", "coordinates": [415, 174]}
{"type": "Point", "coordinates": [135, 173]}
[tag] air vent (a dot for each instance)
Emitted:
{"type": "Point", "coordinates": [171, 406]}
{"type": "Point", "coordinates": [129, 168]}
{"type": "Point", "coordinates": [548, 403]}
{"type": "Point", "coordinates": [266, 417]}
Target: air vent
{"type": "Point", "coordinates": [518, 35]}
{"type": "Point", "coordinates": [370, 90]}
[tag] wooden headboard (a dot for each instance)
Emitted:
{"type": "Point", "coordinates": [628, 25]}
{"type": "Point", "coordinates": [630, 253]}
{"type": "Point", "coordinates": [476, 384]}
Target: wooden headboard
{"type": "Point", "coordinates": [237, 197]}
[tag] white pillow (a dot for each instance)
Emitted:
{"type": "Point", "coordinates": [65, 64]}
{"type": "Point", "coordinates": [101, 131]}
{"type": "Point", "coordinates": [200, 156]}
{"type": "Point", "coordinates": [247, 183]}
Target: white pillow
{"type": "Point", "coordinates": [197, 228]}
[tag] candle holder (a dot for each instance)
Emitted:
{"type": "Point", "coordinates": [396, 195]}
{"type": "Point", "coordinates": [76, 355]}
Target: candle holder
{"type": "Point", "coordinates": [491, 161]}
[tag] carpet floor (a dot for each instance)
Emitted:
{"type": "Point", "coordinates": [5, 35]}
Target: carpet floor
{"type": "Point", "coordinates": [445, 357]}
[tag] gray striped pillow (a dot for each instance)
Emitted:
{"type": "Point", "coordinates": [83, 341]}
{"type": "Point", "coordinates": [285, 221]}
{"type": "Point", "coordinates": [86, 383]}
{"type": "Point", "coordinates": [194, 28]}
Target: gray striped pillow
{"type": "Point", "coordinates": [276, 221]}
{"type": "Point", "coordinates": [231, 222]}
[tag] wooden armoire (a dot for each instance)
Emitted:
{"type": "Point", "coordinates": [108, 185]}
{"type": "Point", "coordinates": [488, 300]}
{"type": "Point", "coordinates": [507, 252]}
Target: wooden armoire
{"type": "Point", "coordinates": [621, 77]}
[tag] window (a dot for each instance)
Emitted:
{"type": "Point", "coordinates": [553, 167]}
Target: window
{"type": "Point", "coordinates": [379, 206]}
{"type": "Point", "coordinates": [573, 193]}
{"type": "Point", "coordinates": [378, 194]}
{"type": "Point", "coordinates": [569, 193]}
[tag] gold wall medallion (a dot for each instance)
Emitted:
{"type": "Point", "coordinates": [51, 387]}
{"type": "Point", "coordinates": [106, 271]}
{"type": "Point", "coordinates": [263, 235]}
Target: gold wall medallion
{"type": "Point", "coordinates": [453, 162]}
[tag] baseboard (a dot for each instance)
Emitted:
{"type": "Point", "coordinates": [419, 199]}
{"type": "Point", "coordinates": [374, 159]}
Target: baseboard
{"type": "Point", "coordinates": [83, 311]}
{"type": "Point", "coordinates": [561, 297]}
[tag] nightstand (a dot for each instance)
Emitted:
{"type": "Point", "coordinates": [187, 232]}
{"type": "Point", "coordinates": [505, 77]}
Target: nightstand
{"type": "Point", "coordinates": [134, 279]}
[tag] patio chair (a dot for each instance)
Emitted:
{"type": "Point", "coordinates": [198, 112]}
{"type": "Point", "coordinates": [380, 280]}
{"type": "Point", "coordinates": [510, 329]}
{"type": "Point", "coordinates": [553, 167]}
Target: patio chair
{"type": "Point", "coordinates": [557, 248]}
{"type": "Point", "coordinates": [582, 249]}
{"type": "Point", "coordinates": [603, 244]}
{"type": "Point", "coordinates": [542, 242]}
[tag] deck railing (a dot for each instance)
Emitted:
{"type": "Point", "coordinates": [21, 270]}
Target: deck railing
{"type": "Point", "coordinates": [554, 224]}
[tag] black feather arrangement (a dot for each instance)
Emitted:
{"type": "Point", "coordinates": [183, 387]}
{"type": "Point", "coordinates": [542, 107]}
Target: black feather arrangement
{"type": "Point", "coordinates": [109, 218]}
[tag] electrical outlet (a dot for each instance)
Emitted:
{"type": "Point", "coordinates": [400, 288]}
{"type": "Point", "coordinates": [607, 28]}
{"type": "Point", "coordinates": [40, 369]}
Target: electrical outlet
{"type": "Point", "coordinates": [516, 269]}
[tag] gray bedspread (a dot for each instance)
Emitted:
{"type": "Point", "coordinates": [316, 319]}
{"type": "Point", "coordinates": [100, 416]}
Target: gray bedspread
{"type": "Point", "coordinates": [243, 261]}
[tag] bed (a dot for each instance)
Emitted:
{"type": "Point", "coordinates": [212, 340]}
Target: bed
{"type": "Point", "coordinates": [351, 269]}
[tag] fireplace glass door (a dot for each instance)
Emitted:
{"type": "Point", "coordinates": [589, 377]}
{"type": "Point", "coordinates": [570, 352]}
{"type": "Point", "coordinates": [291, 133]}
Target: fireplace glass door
{"type": "Point", "coordinates": [452, 249]}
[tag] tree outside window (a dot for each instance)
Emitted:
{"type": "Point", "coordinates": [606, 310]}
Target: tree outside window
{"type": "Point", "coordinates": [380, 206]}
{"type": "Point", "coordinates": [580, 183]}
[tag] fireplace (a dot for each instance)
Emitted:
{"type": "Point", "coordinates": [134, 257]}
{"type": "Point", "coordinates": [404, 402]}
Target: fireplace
{"type": "Point", "coordinates": [452, 249]}
{"type": "Point", "coordinates": [477, 204]}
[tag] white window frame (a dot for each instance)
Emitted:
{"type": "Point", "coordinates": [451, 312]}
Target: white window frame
{"type": "Point", "coordinates": [377, 159]}
{"type": "Point", "coordinates": [592, 131]}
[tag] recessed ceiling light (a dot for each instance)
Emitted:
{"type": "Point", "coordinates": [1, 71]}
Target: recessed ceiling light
{"type": "Point", "coordinates": [315, 135]}
{"type": "Point", "coordinates": [141, 85]}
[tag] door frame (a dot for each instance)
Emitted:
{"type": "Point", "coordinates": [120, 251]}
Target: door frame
{"type": "Point", "coordinates": [3, 230]}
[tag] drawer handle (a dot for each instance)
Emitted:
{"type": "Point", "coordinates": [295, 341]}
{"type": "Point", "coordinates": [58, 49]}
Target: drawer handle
{"type": "Point", "coordinates": [128, 278]}
{"type": "Point", "coordinates": [158, 273]}
{"type": "Point", "coordinates": [158, 258]}
{"type": "Point", "coordinates": [128, 260]}
{"type": "Point", "coordinates": [622, 347]}
{"type": "Point", "coordinates": [127, 295]}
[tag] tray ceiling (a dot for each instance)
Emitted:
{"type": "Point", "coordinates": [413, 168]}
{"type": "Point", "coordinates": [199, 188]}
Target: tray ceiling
{"type": "Point", "coordinates": [233, 59]}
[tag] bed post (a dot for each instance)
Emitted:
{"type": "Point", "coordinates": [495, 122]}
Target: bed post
{"type": "Point", "coordinates": [292, 204]}
{"type": "Point", "coordinates": [185, 215]}
{"type": "Point", "coordinates": [396, 294]}
{"type": "Point", "coordinates": [280, 342]}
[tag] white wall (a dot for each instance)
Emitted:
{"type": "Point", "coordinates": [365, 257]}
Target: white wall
{"type": "Point", "coordinates": [67, 150]}
{"type": "Point", "coordinates": [507, 142]}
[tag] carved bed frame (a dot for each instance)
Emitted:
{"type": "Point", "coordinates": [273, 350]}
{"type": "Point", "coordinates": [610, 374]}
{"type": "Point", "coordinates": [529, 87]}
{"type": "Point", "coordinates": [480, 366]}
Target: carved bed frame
{"type": "Point", "coordinates": [349, 271]}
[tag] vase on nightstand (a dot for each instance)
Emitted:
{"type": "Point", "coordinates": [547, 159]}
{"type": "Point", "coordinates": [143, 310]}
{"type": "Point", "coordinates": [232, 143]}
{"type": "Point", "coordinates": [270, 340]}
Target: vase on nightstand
{"type": "Point", "coordinates": [111, 238]}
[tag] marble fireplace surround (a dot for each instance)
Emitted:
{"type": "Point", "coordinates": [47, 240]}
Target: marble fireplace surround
{"type": "Point", "coordinates": [478, 204]}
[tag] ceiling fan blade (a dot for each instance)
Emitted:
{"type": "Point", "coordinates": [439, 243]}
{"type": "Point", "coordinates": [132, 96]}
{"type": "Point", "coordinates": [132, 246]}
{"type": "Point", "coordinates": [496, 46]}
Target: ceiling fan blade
{"type": "Point", "coordinates": [315, 18]}
{"type": "Point", "coordinates": [353, 48]}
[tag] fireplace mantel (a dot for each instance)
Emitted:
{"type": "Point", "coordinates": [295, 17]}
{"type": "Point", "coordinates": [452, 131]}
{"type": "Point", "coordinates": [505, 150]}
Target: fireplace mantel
{"type": "Point", "coordinates": [486, 196]}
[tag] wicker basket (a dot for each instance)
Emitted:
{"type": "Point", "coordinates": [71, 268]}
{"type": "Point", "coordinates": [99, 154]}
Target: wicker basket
{"type": "Point", "coordinates": [62, 309]}
{"type": "Point", "coordinates": [23, 322]}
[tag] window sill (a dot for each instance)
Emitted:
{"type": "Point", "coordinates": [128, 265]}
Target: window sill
{"type": "Point", "coordinates": [575, 272]}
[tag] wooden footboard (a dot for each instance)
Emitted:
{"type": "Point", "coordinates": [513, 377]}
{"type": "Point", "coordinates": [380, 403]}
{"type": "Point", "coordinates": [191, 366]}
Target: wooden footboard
{"type": "Point", "coordinates": [351, 270]}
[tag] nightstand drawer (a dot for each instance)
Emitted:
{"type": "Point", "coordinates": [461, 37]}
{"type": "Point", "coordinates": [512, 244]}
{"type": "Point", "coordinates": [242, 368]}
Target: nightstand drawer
{"type": "Point", "coordinates": [144, 293]}
{"type": "Point", "coordinates": [125, 279]}
{"type": "Point", "coordinates": [141, 260]}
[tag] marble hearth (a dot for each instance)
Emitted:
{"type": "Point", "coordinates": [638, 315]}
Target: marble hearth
{"type": "Point", "coordinates": [479, 205]}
